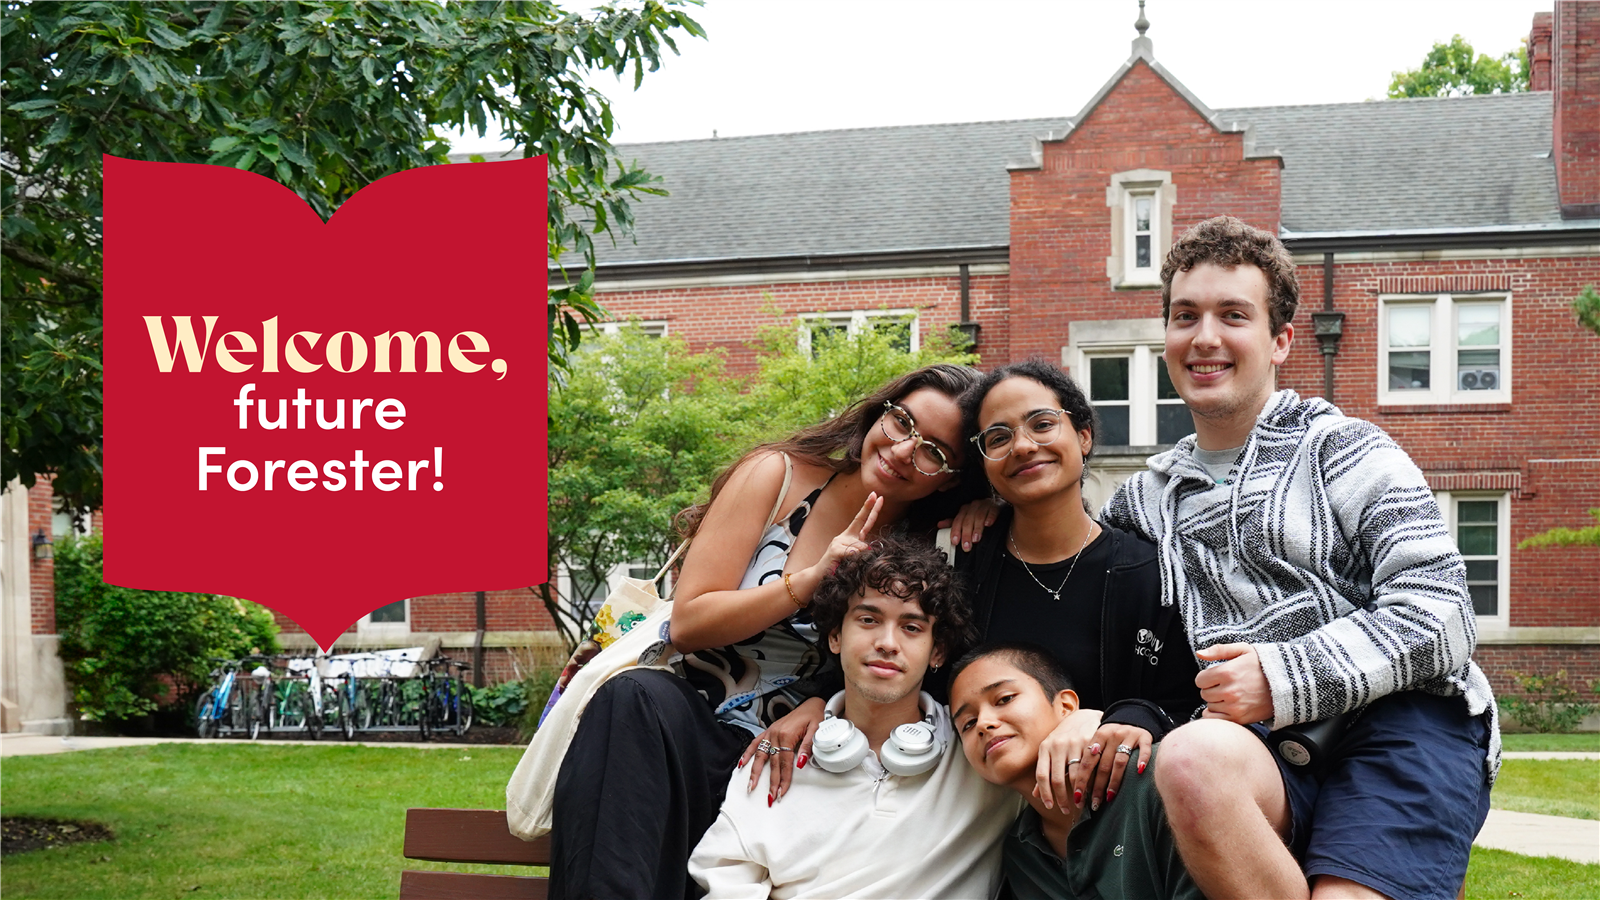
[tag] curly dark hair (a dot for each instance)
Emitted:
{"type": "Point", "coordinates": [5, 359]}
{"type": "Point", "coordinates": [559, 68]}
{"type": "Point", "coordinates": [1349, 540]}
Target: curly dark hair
{"type": "Point", "coordinates": [1031, 659]}
{"type": "Point", "coordinates": [836, 444]}
{"type": "Point", "coordinates": [904, 568]}
{"type": "Point", "coordinates": [1230, 243]}
{"type": "Point", "coordinates": [1068, 394]}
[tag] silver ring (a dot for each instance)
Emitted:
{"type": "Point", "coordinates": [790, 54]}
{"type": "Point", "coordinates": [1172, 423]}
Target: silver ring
{"type": "Point", "coordinates": [1124, 748]}
{"type": "Point", "coordinates": [772, 751]}
{"type": "Point", "coordinates": [1074, 761]}
{"type": "Point", "coordinates": [782, 749]}
{"type": "Point", "coordinates": [764, 747]}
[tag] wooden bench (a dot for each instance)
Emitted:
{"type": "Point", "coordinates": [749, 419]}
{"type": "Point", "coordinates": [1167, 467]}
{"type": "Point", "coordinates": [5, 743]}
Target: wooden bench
{"type": "Point", "coordinates": [470, 836]}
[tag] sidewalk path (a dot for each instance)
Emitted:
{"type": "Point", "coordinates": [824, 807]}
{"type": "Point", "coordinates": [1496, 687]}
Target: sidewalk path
{"type": "Point", "coordinates": [1534, 835]}
{"type": "Point", "coordinates": [40, 744]}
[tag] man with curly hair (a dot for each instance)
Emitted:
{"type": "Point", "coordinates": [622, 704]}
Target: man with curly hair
{"type": "Point", "coordinates": [1316, 578]}
{"type": "Point", "coordinates": [887, 807]}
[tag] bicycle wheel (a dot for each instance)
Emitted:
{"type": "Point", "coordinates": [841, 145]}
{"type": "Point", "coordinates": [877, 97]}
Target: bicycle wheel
{"type": "Point", "coordinates": [464, 717]}
{"type": "Point", "coordinates": [237, 717]}
{"type": "Point", "coordinates": [205, 722]}
{"type": "Point", "coordinates": [292, 708]}
{"type": "Point", "coordinates": [425, 713]}
{"type": "Point", "coordinates": [337, 699]}
{"type": "Point", "coordinates": [314, 721]}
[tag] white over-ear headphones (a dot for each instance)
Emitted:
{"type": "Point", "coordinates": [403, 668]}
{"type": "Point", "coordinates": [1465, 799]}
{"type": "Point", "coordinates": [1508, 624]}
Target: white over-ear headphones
{"type": "Point", "coordinates": [910, 750]}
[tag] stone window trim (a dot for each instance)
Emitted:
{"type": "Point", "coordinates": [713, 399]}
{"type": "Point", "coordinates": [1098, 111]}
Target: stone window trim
{"type": "Point", "coordinates": [365, 625]}
{"type": "Point", "coordinates": [1450, 382]}
{"type": "Point", "coordinates": [1450, 505]}
{"type": "Point", "coordinates": [1141, 341]}
{"type": "Point", "coordinates": [853, 321]}
{"type": "Point", "coordinates": [1121, 193]}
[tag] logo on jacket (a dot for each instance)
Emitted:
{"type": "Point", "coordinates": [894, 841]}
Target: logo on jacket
{"type": "Point", "coordinates": [1148, 646]}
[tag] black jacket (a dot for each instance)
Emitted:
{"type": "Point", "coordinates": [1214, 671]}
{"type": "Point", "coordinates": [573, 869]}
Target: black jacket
{"type": "Point", "coordinates": [1147, 668]}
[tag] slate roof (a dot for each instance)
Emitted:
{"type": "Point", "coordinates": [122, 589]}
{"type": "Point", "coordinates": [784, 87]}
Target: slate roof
{"type": "Point", "coordinates": [1454, 164]}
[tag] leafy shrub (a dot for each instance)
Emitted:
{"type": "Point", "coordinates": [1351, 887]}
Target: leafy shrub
{"type": "Point", "coordinates": [117, 642]}
{"type": "Point", "coordinates": [502, 704]}
{"type": "Point", "coordinates": [1549, 704]}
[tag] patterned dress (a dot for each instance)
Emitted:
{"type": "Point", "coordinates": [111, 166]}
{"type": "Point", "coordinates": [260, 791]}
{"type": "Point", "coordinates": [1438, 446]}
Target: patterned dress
{"type": "Point", "coordinates": [746, 683]}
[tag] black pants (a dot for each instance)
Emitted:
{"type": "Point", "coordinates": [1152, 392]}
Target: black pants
{"type": "Point", "coordinates": [639, 786]}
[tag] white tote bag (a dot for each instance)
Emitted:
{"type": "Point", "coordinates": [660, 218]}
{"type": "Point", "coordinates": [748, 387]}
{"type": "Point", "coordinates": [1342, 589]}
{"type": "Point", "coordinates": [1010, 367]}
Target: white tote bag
{"type": "Point", "coordinates": [530, 795]}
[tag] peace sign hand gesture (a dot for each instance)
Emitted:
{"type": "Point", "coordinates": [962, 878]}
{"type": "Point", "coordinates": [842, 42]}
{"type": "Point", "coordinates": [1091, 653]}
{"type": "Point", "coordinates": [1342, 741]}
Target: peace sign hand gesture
{"type": "Point", "coordinates": [853, 539]}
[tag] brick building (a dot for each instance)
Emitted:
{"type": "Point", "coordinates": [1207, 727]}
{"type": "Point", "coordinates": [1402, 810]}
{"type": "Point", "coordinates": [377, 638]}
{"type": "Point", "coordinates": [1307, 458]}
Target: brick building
{"type": "Point", "coordinates": [1441, 242]}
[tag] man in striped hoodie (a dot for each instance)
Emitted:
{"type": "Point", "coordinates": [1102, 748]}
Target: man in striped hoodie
{"type": "Point", "coordinates": [1316, 577]}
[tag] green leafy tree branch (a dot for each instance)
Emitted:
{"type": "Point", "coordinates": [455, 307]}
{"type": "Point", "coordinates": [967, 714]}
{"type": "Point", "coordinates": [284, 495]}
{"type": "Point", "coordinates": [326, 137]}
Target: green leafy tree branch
{"type": "Point", "coordinates": [323, 96]}
{"type": "Point", "coordinates": [1454, 69]}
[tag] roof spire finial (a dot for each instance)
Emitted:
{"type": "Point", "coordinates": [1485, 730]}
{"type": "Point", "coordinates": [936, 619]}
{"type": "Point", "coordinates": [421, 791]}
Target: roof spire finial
{"type": "Point", "coordinates": [1141, 44]}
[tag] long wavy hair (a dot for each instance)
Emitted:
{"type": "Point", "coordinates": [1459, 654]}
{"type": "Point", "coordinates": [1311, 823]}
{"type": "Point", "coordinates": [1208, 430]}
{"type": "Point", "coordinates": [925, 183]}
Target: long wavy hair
{"type": "Point", "coordinates": [836, 444]}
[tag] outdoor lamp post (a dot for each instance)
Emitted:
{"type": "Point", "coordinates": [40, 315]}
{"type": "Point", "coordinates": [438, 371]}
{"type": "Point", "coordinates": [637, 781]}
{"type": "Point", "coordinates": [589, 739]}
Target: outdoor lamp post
{"type": "Point", "coordinates": [41, 546]}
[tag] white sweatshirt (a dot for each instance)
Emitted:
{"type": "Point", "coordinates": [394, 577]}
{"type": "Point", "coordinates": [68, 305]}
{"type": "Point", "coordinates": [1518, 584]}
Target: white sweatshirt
{"type": "Point", "coordinates": [862, 833]}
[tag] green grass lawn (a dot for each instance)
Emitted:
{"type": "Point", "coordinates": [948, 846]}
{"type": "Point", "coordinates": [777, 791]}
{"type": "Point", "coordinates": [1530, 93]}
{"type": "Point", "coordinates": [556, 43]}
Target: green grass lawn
{"type": "Point", "coordinates": [253, 820]}
{"type": "Point", "coordinates": [239, 820]}
{"type": "Point", "coordinates": [1588, 742]}
{"type": "Point", "coordinates": [1553, 787]}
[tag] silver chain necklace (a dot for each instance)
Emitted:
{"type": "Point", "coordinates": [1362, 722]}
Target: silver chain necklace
{"type": "Point", "coordinates": [1055, 594]}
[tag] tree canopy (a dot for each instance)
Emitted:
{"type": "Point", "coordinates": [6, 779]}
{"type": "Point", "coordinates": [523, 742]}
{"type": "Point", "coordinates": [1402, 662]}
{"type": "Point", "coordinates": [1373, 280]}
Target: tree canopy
{"type": "Point", "coordinates": [325, 97]}
{"type": "Point", "coordinates": [1454, 69]}
{"type": "Point", "coordinates": [642, 433]}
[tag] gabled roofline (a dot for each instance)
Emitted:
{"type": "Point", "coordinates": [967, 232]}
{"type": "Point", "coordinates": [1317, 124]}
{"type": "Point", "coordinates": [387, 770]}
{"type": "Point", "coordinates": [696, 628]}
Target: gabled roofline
{"type": "Point", "coordinates": [1143, 49]}
{"type": "Point", "coordinates": [804, 262]}
{"type": "Point", "coordinates": [1536, 235]}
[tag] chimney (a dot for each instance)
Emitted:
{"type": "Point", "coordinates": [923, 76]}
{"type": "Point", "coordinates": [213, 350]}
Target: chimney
{"type": "Point", "coordinates": [1575, 81]}
{"type": "Point", "coordinates": [1539, 52]}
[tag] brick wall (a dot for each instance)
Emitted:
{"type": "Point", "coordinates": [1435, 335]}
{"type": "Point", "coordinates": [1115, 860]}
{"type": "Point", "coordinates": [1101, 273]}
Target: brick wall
{"type": "Point", "coordinates": [1581, 662]}
{"type": "Point", "coordinates": [1552, 415]}
{"type": "Point", "coordinates": [1575, 80]}
{"type": "Point", "coordinates": [730, 316]}
{"type": "Point", "coordinates": [41, 573]}
{"type": "Point", "coordinates": [1061, 226]}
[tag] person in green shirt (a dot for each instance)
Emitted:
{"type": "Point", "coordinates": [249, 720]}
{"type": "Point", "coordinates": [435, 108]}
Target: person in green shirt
{"type": "Point", "coordinates": [1005, 698]}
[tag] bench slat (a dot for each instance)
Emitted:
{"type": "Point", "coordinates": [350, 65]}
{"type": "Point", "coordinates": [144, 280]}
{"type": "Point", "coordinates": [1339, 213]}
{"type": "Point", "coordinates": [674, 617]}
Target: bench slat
{"type": "Point", "coordinates": [415, 885]}
{"type": "Point", "coordinates": [470, 835]}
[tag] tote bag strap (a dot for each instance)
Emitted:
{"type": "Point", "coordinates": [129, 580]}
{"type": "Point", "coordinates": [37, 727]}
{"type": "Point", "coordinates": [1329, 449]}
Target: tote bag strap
{"type": "Point", "coordinates": [788, 475]}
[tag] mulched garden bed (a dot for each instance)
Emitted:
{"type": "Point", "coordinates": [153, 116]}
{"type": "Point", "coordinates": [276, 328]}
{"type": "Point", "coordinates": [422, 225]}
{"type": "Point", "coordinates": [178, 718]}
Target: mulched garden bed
{"type": "Point", "coordinates": [21, 834]}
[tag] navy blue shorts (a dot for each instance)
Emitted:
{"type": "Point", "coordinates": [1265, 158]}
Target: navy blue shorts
{"type": "Point", "coordinates": [1398, 808]}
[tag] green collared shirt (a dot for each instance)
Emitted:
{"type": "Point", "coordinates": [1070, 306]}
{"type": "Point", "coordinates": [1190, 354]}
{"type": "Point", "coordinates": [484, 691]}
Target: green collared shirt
{"type": "Point", "coordinates": [1123, 852]}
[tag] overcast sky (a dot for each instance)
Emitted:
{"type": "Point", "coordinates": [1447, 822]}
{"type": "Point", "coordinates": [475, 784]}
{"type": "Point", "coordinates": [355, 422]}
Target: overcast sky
{"type": "Point", "coordinates": [771, 66]}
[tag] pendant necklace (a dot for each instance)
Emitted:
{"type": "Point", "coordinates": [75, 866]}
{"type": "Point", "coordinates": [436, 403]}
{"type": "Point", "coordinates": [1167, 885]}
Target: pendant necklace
{"type": "Point", "coordinates": [1055, 594]}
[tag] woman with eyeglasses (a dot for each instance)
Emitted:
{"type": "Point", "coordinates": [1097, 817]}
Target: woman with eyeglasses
{"type": "Point", "coordinates": [647, 769]}
{"type": "Point", "coordinates": [1049, 574]}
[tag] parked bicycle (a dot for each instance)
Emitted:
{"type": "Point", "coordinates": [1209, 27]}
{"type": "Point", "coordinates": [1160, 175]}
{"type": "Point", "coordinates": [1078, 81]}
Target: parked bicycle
{"type": "Point", "coordinates": [447, 704]}
{"type": "Point", "coordinates": [231, 703]}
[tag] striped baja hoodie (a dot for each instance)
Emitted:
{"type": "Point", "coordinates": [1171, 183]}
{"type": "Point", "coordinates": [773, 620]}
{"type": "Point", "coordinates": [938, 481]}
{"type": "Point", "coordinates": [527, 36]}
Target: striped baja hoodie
{"type": "Point", "coordinates": [1327, 552]}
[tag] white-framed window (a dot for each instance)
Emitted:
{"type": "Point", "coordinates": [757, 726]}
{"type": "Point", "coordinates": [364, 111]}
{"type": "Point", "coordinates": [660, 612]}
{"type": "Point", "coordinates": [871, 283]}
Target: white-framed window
{"type": "Point", "coordinates": [1118, 364]}
{"type": "Point", "coordinates": [1141, 204]}
{"type": "Point", "coordinates": [580, 588]}
{"type": "Point", "coordinates": [389, 619]}
{"type": "Point", "coordinates": [1449, 348]}
{"type": "Point", "coordinates": [1480, 524]}
{"type": "Point", "coordinates": [902, 323]}
{"type": "Point", "coordinates": [651, 327]}
{"type": "Point", "coordinates": [63, 524]}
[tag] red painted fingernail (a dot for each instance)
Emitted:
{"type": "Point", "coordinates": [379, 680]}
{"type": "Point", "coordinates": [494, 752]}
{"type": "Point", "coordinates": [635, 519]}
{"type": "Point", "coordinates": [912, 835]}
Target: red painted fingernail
{"type": "Point", "coordinates": [1077, 798]}
{"type": "Point", "coordinates": [1141, 767]}
{"type": "Point", "coordinates": [1110, 794]}
{"type": "Point", "coordinates": [742, 762]}
{"type": "Point", "coordinates": [801, 762]}
{"type": "Point", "coordinates": [769, 801]}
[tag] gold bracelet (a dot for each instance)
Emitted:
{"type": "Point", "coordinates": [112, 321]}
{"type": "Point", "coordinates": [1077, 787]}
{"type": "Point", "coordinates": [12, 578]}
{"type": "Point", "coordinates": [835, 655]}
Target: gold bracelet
{"type": "Point", "coordinates": [790, 588]}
